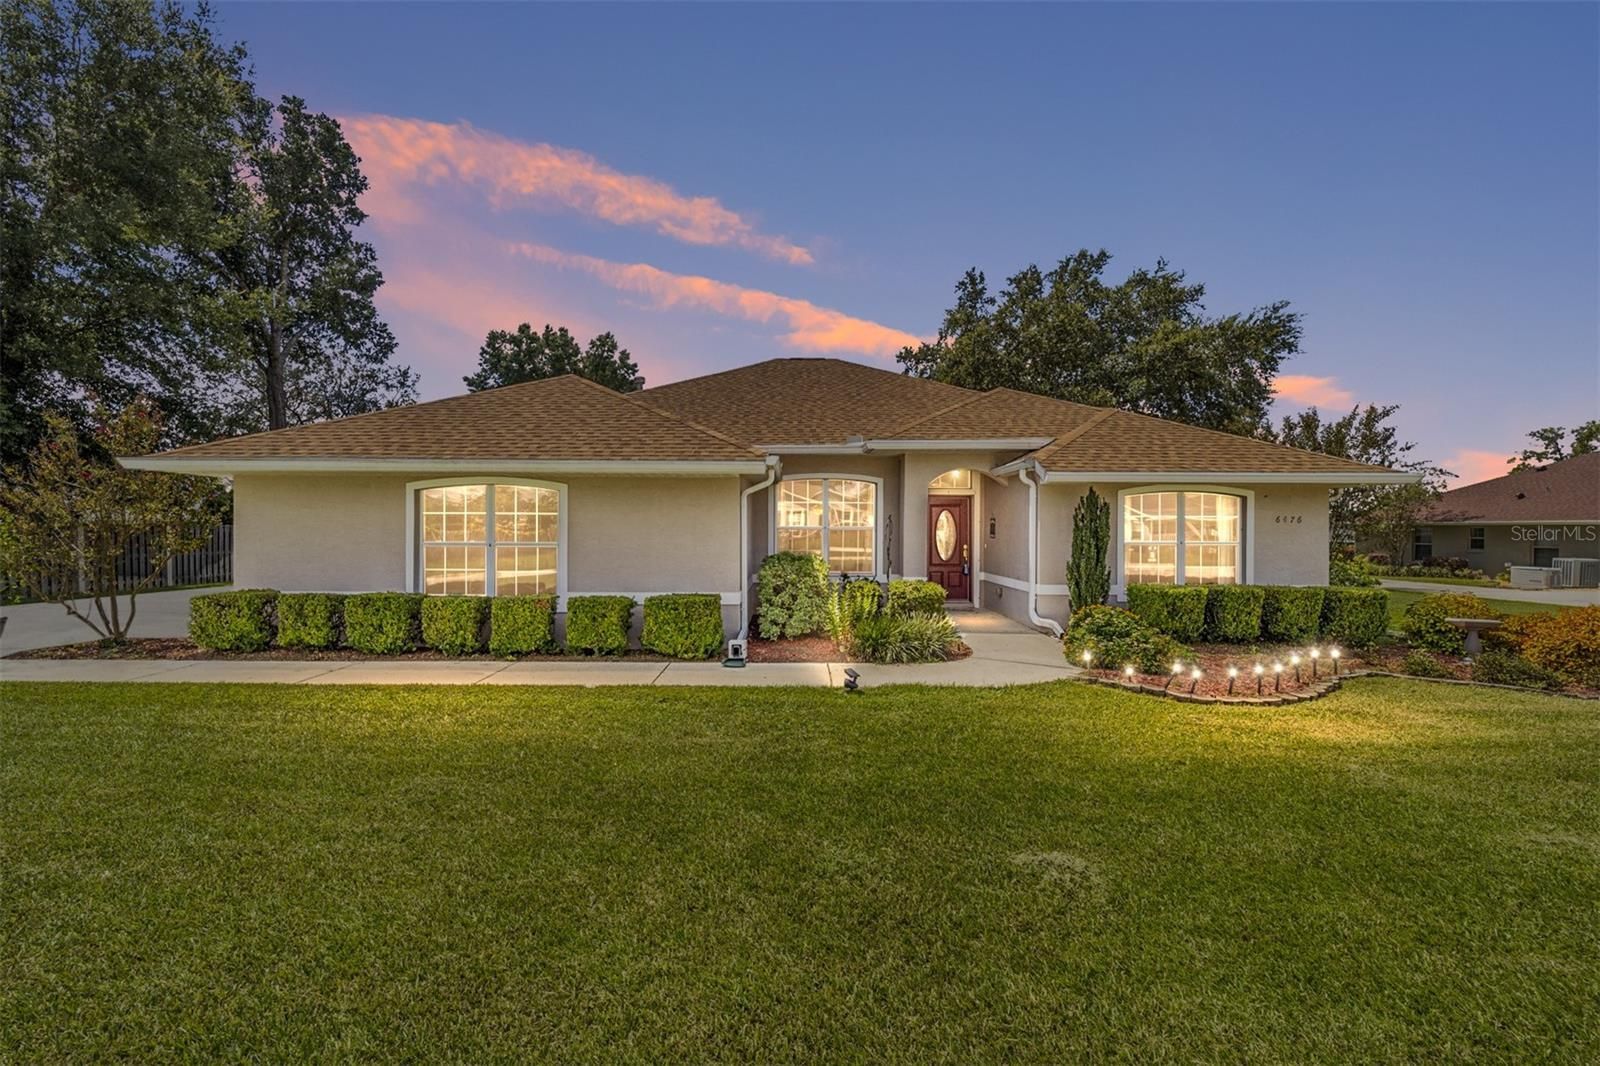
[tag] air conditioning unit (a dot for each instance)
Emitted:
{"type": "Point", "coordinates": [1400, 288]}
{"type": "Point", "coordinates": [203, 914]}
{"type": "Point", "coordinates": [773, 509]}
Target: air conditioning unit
{"type": "Point", "coordinates": [1579, 573]}
{"type": "Point", "coordinates": [1534, 577]}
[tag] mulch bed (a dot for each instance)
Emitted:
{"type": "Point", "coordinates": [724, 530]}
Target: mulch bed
{"type": "Point", "coordinates": [1214, 660]}
{"type": "Point", "coordinates": [818, 649]}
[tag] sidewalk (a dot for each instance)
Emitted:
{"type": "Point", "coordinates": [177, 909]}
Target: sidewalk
{"type": "Point", "coordinates": [1555, 597]}
{"type": "Point", "coordinates": [1003, 653]}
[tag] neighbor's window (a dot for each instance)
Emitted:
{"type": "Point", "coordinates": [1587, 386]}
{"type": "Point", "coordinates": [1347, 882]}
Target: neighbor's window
{"type": "Point", "coordinates": [1176, 538]}
{"type": "Point", "coordinates": [1421, 544]}
{"type": "Point", "coordinates": [952, 479]}
{"type": "Point", "coordinates": [1475, 539]}
{"type": "Point", "coordinates": [481, 540]}
{"type": "Point", "coordinates": [835, 518]}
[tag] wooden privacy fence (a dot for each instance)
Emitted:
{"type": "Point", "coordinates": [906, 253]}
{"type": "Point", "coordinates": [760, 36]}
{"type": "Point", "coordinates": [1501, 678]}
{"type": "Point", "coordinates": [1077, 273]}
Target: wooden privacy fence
{"type": "Point", "coordinates": [211, 563]}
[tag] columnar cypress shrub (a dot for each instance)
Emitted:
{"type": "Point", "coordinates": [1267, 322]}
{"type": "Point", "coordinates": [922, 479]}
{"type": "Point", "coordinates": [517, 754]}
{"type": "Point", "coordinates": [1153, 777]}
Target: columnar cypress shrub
{"type": "Point", "coordinates": [383, 623]}
{"type": "Point", "coordinates": [1233, 613]}
{"type": "Point", "coordinates": [454, 624]}
{"type": "Point", "coordinates": [1179, 611]}
{"type": "Point", "coordinates": [684, 625]}
{"type": "Point", "coordinates": [310, 619]}
{"type": "Point", "coordinates": [241, 620]}
{"type": "Point", "coordinates": [1292, 613]}
{"type": "Point", "coordinates": [520, 625]}
{"type": "Point", "coordinates": [599, 624]}
{"type": "Point", "coordinates": [1088, 575]}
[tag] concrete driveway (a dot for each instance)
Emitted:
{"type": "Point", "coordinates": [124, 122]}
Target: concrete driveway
{"type": "Point", "coordinates": [44, 625]}
{"type": "Point", "coordinates": [1555, 597]}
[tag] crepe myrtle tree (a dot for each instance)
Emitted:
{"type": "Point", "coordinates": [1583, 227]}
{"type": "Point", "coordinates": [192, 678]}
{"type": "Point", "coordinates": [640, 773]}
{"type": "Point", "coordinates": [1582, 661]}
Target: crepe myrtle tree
{"type": "Point", "coordinates": [68, 518]}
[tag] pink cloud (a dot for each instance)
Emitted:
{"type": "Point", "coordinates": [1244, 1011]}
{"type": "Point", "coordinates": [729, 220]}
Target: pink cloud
{"type": "Point", "coordinates": [1471, 466]}
{"type": "Point", "coordinates": [398, 152]}
{"type": "Point", "coordinates": [808, 327]}
{"type": "Point", "coordinates": [1308, 390]}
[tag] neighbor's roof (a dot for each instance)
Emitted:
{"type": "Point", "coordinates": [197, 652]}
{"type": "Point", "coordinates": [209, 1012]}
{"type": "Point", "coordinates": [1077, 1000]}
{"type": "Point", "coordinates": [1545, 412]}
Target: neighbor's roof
{"type": "Point", "coordinates": [732, 415]}
{"type": "Point", "coordinates": [566, 418]}
{"type": "Point", "coordinates": [1568, 491]}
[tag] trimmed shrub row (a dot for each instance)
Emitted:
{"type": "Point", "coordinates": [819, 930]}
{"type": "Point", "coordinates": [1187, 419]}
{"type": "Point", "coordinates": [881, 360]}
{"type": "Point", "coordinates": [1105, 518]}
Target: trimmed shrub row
{"type": "Point", "coordinates": [683, 625]}
{"type": "Point", "coordinates": [1242, 614]}
{"type": "Point", "coordinates": [1114, 637]}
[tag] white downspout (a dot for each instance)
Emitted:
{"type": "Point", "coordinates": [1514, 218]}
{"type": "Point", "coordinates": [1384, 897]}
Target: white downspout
{"type": "Point", "coordinates": [774, 464]}
{"type": "Point", "coordinates": [1033, 554]}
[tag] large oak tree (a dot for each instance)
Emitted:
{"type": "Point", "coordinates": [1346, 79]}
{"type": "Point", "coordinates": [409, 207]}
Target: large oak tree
{"type": "Point", "coordinates": [509, 357]}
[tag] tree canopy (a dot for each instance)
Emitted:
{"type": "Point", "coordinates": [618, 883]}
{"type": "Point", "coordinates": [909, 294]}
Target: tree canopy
{"type": "Point", "coordinates": [1145, 344]}
{"type": "Point", "coordinates": [1549, 445]}
{"type": "Point", "coordinates": [508, 358]}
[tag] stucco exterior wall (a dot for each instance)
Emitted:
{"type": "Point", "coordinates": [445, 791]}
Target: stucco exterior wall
{"type": "Point", "coordinates": [1514, 544]}
{"type": "Point", "coordinates": [919, 468]}
{"type": "Point", "coordinates": [884, 467]}
{"type": "Point", "coordinates": [347, 533]}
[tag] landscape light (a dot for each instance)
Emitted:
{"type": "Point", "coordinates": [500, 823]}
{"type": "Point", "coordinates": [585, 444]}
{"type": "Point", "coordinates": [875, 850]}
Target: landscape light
{"type": "Point", "coordinates": [1315, 654]}
{"type": "Point", "coordinates": [1277, 677]}
{"type": "Point", "coordinates": [1259, 670]}
{"type": "Point", "coordinates": [1333, 653]}
{"type": "Point", "coordinates": [1197, 675]}
{"type": "Point", "coordinates": [1177, 669]}
{"type": "Point", "coordinates": [1294, 660]}
{"type": "Point", "coordinates": [1127, 672]}
{"type": "Point", "coordinates": [1233, 674]}
{"type": "Point", "coordinates": [1088, 656]}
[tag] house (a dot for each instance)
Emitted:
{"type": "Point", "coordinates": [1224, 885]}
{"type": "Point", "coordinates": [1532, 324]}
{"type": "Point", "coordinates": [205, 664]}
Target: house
{"type": "Point", "coordinates": [1528, 518]}
{"type": "Point", "coordinates": [564, 487]}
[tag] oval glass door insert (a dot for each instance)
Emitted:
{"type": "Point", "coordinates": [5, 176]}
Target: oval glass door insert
{"type": "Point", "coordinates": [944, 535]}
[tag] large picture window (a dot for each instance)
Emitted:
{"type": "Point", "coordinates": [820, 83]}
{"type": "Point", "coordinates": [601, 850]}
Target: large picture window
{"type": "Point", "coordinates": [835, 518]}
{"type": "Point", "coordinates": [1177, 538]}
{"type": "Point", "coordinates": [489, 540]}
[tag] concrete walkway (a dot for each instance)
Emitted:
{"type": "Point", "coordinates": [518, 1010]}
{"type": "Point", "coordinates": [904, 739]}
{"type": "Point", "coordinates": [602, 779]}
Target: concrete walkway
{"type": "Point", "coordinates": [1003, 653]}
{"type": "Point", "coordinates": [1554, 597]}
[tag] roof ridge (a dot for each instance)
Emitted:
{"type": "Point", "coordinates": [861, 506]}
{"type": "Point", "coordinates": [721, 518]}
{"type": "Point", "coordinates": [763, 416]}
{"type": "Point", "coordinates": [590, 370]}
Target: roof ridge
{"type": "Point", "coordinates": [1100, 415]}
{"type": "Point", "coordinates": [673, 416]}
{"type": "Point", "coordinates": [1253, 440]}
{"type": "Point", "coordinates": [902, 427]}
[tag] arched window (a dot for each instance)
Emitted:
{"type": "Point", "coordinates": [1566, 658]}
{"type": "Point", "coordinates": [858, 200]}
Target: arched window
{"type": "Point", "coordinates": [952, 479]}
{"type": "Point", "coordinates": [489, 539]}
{"type": "Point", "coordinates": [1179, 538]}
{"type": "Point", "coordinates": [834, 517]}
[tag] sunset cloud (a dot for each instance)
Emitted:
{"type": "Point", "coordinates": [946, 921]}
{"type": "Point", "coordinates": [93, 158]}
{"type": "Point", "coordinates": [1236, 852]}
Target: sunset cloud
{"type": "Point", "coordinates": [1309, 391]}
{"type": "Point", "coordinates": [806, 326]}
{"type": "Point", "coordinates": [1471, 466]}
{"type": "Point", "coordinates": [400, 152]}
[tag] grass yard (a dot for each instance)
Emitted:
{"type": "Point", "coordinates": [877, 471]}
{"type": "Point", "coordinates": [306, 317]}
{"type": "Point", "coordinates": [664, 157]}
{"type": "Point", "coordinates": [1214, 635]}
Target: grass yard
{"type": "Point", "coordinates": [1402, 871]}
{"type": "Point", "coordinates": [1400, 599]}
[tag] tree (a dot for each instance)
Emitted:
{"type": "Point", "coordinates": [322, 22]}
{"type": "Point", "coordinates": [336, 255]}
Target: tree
{"type": "Point", "coordinates": [1088, 575]}
{"type": "Point", "coordinates": [1365, 435]}
{"type": "Point", "coordinates": [297, 283]}
{"type": "Point", "coordinates": [1145, 344]}
{"type": "Point", "coordinates": [1393, 516]}
{"type": "Point", "coordinates": [1551, 445]}
{"type": "Point", "coordinates": [68, 517]}
{"type": "Point", "coordinates": [508, 358]}
{"type": "Point", "coordinates": [118, 144]}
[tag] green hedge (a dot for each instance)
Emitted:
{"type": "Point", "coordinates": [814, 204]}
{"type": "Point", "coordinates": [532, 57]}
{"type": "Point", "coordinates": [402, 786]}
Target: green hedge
{"type": "Point", "coordinates": [310, 619]}
{"type": "Point", "coordinates": [1179, 611]}
{"type": "Point", "coordinates": [1292, 613]}
{"type": "Point", "coordinates": [1424, 621]}
{"type": "Point", "coordinates": [1233, 613]}
{"type": "Point", "coordinates": [1354, 616]}
{"type": "Point", "coordinates": [684, 625]}
{"type": "Point", "coordinates": [454, 624]}
{"type": "Point", "coordinates": [519, 625]}
{"type": "Point", "coordinates": [233, 621]}
{"type": "Point", "coordinates": [599, 624]}
{"type": "Point", "coordinates": [908, 596]}
{"type": "Point", "coordinates": [1117, 638]}
{"type": "Point", "coordinates": [793, 592]}
{"type": "Point", "coordinates": [382, 623]}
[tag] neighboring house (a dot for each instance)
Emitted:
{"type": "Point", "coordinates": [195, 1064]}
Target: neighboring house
{"type": "Point", "coordinates": [564, 487]}
{"type": "Point", "coordinates": [1524, 519]}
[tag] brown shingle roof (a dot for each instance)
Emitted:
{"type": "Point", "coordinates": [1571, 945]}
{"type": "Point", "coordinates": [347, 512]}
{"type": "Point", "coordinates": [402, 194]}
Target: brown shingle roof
{"type": "Point", "coordinates": [804, 401]}
{"type": "Point", "coordinates": [1568, 491]}
{"type": "Point", "coordinates": [564, 418]}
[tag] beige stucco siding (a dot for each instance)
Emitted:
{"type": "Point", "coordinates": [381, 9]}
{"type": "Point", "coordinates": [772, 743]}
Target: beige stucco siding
{"type": "Point", "coordinates": [347, 533]}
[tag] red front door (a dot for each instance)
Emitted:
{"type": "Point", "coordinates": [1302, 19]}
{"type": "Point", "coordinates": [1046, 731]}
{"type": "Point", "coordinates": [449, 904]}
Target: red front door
{"type": "Point", "coordinates": [950, 545]}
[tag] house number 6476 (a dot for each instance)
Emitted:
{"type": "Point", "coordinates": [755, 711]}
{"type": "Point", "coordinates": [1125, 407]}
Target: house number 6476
{"type": "Point", "coordinates": [1288, 519]}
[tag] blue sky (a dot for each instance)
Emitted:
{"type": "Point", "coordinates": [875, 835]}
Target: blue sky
{"type": "Point", "coordinates": [721, 184]}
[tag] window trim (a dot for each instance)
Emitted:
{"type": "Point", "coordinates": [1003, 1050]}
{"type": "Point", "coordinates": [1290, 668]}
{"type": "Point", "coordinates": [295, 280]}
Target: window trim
{"type": "Point", "coordinates": [1417, 538]}
{"type": "Point", "coordinates": [413, 504]}
{"type": "Point", "coordinates": [1247, 530]}
{"type": "Point", "coordinates": [879, 501]}
{"type": "Point", "coordinates": [1479, 534]}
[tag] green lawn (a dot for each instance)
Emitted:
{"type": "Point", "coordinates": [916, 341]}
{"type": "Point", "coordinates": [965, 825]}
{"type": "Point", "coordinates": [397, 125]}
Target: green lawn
{"type": "Point", "coordinates": [1402, 871]}
{"type": "Point", "coordinates": [1400, 599]}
